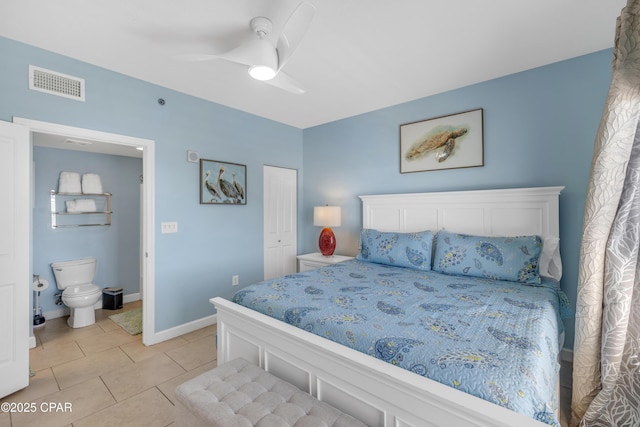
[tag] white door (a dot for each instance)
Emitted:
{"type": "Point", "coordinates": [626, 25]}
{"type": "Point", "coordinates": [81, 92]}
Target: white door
{"type": "Point", "coordinates": [280, 223]}
{"type": "Point", "coordinates": [15, 283]}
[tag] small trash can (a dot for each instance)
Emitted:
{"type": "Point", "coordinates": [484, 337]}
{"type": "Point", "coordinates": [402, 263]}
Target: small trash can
{"type": "Point", "coordinates": [112, 298]}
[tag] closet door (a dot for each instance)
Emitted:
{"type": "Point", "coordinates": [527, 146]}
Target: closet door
{"type": "Point", "coordinates": [15, 283]}
{"type": "Point", "coordinates": [280, 223]}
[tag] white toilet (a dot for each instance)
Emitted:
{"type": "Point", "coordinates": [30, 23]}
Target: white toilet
{"type": "Point", "coordinates": [74, 279]}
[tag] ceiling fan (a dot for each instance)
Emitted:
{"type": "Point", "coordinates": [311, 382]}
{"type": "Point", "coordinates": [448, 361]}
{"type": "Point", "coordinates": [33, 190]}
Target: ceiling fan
{"type": "Point", "coordinates": [265, 61]}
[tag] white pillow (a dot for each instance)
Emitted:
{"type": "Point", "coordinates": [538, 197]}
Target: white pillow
{"type": "Point", "coordinates": [550, 261]}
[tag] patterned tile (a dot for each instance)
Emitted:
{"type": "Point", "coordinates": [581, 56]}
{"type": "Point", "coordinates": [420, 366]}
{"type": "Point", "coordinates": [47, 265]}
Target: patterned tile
{"type": "Point", "coordinates": [56, 331]}
{"type": "Point", "coordinates": [66, 406]}
{"type": "Point", "coordinates": [138, 351]}
{"type": "Point", "coordinates": [195, 353]}
{"type": "Point", "coordinates": [208, 331]}
{"type": "Point", "coordinates": [41, 384]}
{"type": "Point", "coordinates": [54, 354]}
{"type": "Point", "coordinates": [132, 379]}
{"type": "Point", "coordinates": [149, 408]}
{"type": "Point", "coordinates": [5, 419]}
{"type": "Point", "coordinates": [108, 325]}
{"type": "Point", "coordinates": [168, 388]}
{"type": "Point", "coordinates": [92, 366]}
{"type": "Point", "coordinates": [106, 340]}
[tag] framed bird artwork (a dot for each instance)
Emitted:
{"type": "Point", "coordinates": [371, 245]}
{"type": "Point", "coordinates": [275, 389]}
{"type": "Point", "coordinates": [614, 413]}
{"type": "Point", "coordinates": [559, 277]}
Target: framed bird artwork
{"type": "Point", "coordinates": [222, 183]}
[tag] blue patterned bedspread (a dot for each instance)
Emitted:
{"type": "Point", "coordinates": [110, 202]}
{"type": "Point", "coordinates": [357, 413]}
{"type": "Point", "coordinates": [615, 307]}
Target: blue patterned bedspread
{"type": "Point", "coordinates": [496, 340]}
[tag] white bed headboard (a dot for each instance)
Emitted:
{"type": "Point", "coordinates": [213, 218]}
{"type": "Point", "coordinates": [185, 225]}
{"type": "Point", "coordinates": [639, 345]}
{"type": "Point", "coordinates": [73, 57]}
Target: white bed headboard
{"type": "Point", "coordinates": [506, 212]}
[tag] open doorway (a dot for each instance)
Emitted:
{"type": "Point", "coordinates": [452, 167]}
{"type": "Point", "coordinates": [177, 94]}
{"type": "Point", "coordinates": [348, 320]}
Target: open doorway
{"type": "Point", "coordinates": [113, 144]}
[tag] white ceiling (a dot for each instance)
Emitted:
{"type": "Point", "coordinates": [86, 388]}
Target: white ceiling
{"type": "Point", "coordinates": [358, 55]}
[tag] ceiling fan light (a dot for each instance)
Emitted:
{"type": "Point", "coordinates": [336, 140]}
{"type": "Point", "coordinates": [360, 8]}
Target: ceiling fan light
{"type": "Point", "coordinates": [262, 72]}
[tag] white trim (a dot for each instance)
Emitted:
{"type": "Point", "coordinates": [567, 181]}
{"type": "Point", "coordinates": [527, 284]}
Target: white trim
{"type": "Point", "coordinates": [185, 328]}
{"type": "Point", "coordinates": [566, 355]}
{"type": "Point", "coordinates": [61, 312]}
{"type": "Point", "coordinates": [131, 298]}
{"type": "Point", "coordinates": [148, 167]}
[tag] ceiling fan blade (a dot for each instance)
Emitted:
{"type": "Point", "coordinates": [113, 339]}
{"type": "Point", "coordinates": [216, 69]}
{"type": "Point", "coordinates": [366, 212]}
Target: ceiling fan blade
{"type": "Point", "coordinates": [194, 57]}
{"type": "Point", "coordinates": [286, 82]}
{"type": "Point", "coordinates": [243, 54]}
{"type": "Point", "coordinates": [255, 52]}
{"type": "Point", "coordinates": [293, 31]}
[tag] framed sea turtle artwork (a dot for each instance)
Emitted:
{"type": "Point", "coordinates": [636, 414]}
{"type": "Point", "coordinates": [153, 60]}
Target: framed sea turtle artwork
{"type": "Point", "coordinates": [222, 183]}
{"type": "Point", "coordinates": [446, 142]}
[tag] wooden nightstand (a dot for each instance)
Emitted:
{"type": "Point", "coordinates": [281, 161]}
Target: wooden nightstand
{"type": "Point", "coordinates": [315, 260]}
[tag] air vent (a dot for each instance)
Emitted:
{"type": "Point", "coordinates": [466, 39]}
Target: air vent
{"type": "Point", "coordinates": [55, 83]}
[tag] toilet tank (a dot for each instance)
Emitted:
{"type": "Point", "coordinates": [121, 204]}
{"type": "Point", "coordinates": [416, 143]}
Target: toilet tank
{"type": "Point", "coordinates": [75, 272]}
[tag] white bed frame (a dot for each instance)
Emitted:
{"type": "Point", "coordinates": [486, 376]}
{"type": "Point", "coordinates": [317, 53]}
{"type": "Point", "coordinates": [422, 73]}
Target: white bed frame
{"type": "Point", "coordinates": [371, 390]}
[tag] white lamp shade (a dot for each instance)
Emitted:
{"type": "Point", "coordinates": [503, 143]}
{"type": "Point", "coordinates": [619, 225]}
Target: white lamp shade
{"type": "Point", "coordinates": [326, 216]}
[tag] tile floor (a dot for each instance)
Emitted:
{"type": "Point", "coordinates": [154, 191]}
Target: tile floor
{"type": "Point", "coordinates": [106, 376]}
{"type": "Point", "coordinates": [109, 378]}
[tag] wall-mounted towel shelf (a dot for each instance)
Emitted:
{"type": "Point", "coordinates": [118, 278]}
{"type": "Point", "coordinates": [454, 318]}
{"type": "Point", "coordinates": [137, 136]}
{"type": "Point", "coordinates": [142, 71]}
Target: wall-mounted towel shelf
{"type": "Point", "coordinates": [103, 210]}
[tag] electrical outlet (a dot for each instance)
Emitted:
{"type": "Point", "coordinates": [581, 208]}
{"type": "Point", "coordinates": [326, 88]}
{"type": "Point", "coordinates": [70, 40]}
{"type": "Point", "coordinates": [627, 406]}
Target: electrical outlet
{"type": "Point", "coordinates": [235, 281]}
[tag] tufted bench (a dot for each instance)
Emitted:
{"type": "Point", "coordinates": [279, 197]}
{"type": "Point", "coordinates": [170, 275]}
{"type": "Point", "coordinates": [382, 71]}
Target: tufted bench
{"type": "Point", "coordinates": [239, 394]}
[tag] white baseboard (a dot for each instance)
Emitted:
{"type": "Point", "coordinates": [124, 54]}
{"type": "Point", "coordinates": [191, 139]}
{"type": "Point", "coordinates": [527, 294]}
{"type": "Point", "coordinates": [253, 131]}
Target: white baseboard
{"type": "Point", "coordinates": [566, 355]}
{"type": "Point", "coordinates": [54, 314]}
{"type": "Point", "coordinates": [64, 311]}
{"type": "Point", "coordinates": [131, 298]}
{"type": "Point", "coordinates": [185, 328]}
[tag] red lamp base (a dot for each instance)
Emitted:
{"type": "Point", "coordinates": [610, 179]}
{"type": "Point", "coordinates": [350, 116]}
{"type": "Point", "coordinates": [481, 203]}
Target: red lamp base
{"type": "Point", "coordinates": [327, 241]}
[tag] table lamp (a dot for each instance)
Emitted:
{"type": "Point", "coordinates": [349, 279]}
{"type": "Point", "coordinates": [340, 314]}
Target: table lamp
{"type": "Point", "coordinates": [327, 217]}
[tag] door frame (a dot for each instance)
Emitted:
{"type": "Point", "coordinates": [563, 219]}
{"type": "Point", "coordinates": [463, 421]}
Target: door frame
{"type": "Point", "coordinates": [149, 335]}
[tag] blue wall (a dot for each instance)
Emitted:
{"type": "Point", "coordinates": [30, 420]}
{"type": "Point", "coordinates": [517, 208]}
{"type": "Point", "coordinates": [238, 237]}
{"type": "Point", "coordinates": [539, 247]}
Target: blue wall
{"type": "Point", "coordinates": [213, 242]}
{"type": "Point", "coordinates": [539, 130]}
{"type": "Point", "coordinates": [117, 247]}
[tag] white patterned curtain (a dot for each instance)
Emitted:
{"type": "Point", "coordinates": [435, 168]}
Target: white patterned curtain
{"type": "Point", "coordinates": [606, 365]}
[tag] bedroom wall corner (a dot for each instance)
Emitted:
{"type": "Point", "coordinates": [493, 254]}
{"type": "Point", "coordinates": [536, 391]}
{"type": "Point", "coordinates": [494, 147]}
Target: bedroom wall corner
{"type": "Point", "coordinates": [539, 130]}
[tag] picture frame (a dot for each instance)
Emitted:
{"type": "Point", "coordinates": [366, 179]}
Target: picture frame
{"type": "Point", "coordinates": [446, 142]}
{"type": "Point", "coordinates": [222, 183]}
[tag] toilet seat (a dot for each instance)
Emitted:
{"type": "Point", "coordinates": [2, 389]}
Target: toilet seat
{"type": "Point", "coordinates": [81, 291]}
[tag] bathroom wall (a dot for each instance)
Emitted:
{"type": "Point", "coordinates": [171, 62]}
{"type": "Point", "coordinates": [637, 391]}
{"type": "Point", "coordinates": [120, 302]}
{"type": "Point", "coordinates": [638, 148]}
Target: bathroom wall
{"type": "Point", "coordinates": [116, 247]}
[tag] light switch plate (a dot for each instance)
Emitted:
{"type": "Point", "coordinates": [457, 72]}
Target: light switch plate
{"type": "Point", "coordinates": [169, 227]}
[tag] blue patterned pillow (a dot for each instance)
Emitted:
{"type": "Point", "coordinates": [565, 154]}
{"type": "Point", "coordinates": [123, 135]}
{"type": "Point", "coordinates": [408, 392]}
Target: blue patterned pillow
{"type": "Point", "coordinates": [411, 250]}
{"type": "Point", "coordinates": [515, 259]}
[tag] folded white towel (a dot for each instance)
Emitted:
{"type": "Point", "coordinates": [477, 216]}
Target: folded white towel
{"type": "Point", "coordinates": [81, 205]}
{"type": "Point", "coordinates": [69, 182]}
{"type": "Point", "coordinates": [91, 183]}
